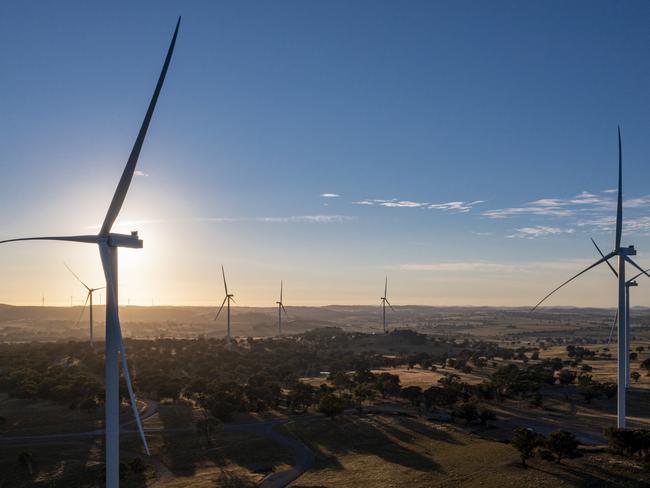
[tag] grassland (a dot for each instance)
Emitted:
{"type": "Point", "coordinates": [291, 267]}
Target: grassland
{"type": "Point", "coordinates": [397, 451]}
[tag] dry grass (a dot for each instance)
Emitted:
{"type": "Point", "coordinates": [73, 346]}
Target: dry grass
{"type": "Point", "coordinates": [399, 452]}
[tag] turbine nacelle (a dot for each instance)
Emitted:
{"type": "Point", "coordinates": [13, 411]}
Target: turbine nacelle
{"type": "Point", "coordinates": [627, 251]}
{"type": "Point", "coordinates": [125, 240]}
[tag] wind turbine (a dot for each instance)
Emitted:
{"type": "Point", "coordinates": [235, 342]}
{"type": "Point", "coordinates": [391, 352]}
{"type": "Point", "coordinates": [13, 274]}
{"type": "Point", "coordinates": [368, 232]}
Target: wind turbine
{"type": "Point", "coordinates": [108, 244]}
{"type": "Point", "coordinates": [628, 284]}
{"type": "Point", "coordinates": [385, 301]}
{"type": "Point", "coordinates": [228, 298]}
{"type": "Point", "coordinates": [280, 310]}
{"type": "Point", "coordinates": [89, 297]}
{"type": "Point", "coordinates": [624, 255]}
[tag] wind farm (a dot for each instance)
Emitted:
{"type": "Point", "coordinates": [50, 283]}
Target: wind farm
{"type": "Point", "coordinates": [476, 157]}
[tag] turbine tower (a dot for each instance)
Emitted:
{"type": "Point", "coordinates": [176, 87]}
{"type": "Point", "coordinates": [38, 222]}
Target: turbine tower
{"type": "Point", "coordinates": [280, 310]}
{"type": "Point", "coordinates": [108, 244]}
{"type": "Point", "coordinates": [624, 255]}
{"type": "Point", "coordinates": [228, 298]}
{"type": "Point", "coordinates": [628, 284]}
{"type": "Point", "coordinates": [385, 301]}
{"type": "Point", "coordinates": [89, 297]}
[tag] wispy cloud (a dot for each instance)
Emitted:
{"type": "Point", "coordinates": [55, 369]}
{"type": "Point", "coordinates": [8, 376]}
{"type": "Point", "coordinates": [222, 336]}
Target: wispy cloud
{"type": "Point", "coordinates": [539, 231]}
{"type": "Point", "coordinates": [137, 172]}
{"type": "Point", "coordinates": [456, 207]}
{"type": "Point", "coordinates": [309, 219]}
{"type": "Point", "coordinates": [493, 266]}
{"type": "Point", "coordinates": [330, 195]}
{"type": "Point", "coordinates": [460, 207]}
{"type": "Point", "coordinates": [584, 203]}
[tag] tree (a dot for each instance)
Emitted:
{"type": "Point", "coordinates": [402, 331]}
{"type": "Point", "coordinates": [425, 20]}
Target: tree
{"type": "Point", "coordinates": [562, 443]}
{"type": "Point", "coordinates": [467, 411]}
{"type": "Point", "coordinates": [364, 393]}
{"type": "Point", "coordinates": [413, 394]}
{"type": "Point", "coordinates": [331, 405]}
{"type": "Point", "coordinates": [525, 441]}
{"type": "Point", "coordinates": [645, 364]}
{"type": "Point", "coordinates": [301, 396]}
{"type": "Point", "coordinates": [566, 377]}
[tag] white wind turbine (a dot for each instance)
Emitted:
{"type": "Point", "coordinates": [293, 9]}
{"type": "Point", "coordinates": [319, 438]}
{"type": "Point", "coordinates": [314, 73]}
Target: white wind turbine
{"type": "Point", "coordinates": [228, 298]}
{"type": "Point", "coordinates": [624, 255]}
{"type": "Point", "coordinates": [384, 301]}
{"type": "Point", "coordinates": [89, 297]}
{"type": "Point", "coordinates": [280, 310]}
{"type": "Point", "coordinates": [108, 243]}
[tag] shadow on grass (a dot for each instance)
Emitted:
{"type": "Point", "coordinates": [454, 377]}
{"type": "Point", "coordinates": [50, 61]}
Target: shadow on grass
{"type": "Point", "coordinates": [590, 475]}
{"type": "Point", "coordinates": [179, 449]}
{"type": "Point", "coordinates": [330, 439]}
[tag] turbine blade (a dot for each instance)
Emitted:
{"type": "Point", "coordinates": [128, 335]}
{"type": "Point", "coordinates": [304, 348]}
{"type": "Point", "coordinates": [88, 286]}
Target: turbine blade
{"type": "Point", "coordinates": [280, 291]}
{"type": "Point", "coordinates": [86, 239]}
{"type": "Point", "coordinates": [611, 331]}
{"type": "Point", "coordinates": [643, 271]}
{"type": "Point", "coordinates": [132, 399]}
{"type": "Point", "coordinates": [391, 307]}
{"type": "Point", "coordinates": [602, 255]}
{"type": "Point", "coordinates": [284, 310]}
{"type": "Point", "coordinates": [601, 260]}
{"type": "Point", "coordinates": [232, 298]}
{"type": "Point", "coordinates": [619, 204]}
{"type": "Point", "coordinates": [82, 310]}
{"type": "Point", "coordinates": [221, 307]}
{"type": "Point", "coordinates": [75, 275]}
{"type": "Point", "coordinates": [223, 273]}
{"type": "Point", "coordinates": [386, 287]}
{"type": "Point", "coordinates": [129, 169]}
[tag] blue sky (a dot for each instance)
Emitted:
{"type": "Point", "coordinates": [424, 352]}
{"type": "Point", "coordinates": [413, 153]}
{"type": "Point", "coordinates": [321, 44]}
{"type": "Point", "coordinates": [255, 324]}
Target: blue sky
{"type": "Point", "coordinates": [510, 108]}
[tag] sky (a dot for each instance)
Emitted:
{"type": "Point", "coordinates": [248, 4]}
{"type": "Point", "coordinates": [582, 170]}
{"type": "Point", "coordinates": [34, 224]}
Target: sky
{"type": "Point", "coordinates": [467, 150]}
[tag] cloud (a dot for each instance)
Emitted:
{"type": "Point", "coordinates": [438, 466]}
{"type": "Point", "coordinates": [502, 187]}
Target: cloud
{"type": "Point", "coordinates": [584, 203]}
{"type": "Point", "coordinates": [459, 207]}
{"type": "Point", "coordinates": [536, 267]}
{"type": "Point", "coordinates": [456, 207]}
{"type": "Point", "coordinates": [309, 219]}
{"type": "Point", "coordinates": [610, 190]}
{"type": "Point", "coordinates": [137, 172]}
{"type": "Point", "coordinates": [478, 266]}
{"type": "Point", "coordinates": [539, 231]}
{"type": "Point", "coordinates": [552, 211]}
{"type": "Point", "coordinates": [330, 195]}
{"type": "Point", "coordinates": [555, 207]}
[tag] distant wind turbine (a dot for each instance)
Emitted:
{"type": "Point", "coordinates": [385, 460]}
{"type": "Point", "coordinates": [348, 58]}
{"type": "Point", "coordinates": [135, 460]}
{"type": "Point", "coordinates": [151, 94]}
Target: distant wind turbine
{"type": "Point", "coordinates": [108, 243]}
{"type": "Point", "coordinates": [228, 298]}
{"type": "Point", "coordinates": [89, 298]}
{"type": "Point", "coordinates": [384, 301]}
{"type": "Point", "coordinates": [624, 255]}
{"type": "Point", "coordinates": [280, 310]}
